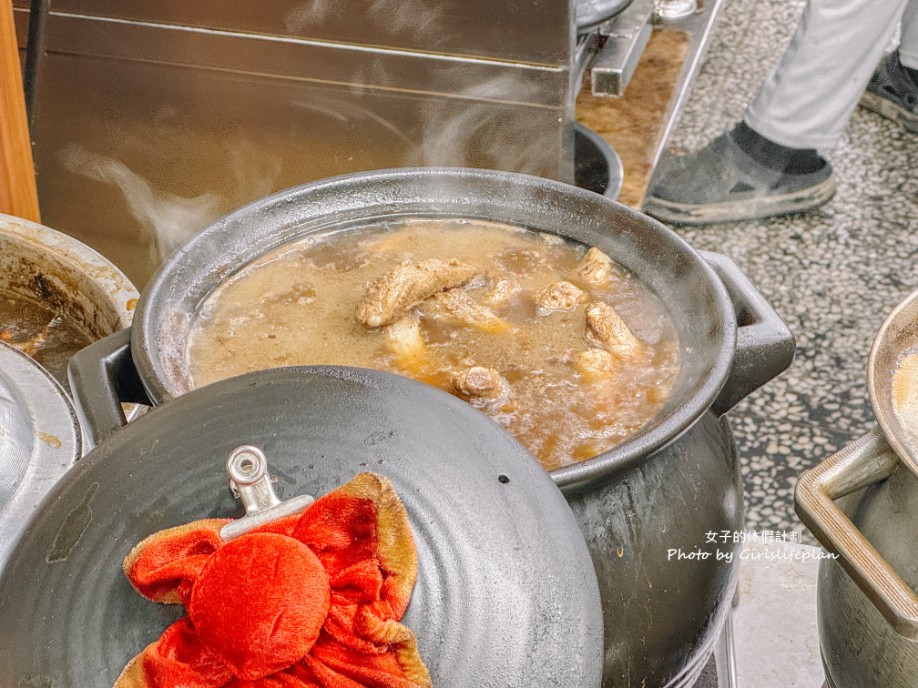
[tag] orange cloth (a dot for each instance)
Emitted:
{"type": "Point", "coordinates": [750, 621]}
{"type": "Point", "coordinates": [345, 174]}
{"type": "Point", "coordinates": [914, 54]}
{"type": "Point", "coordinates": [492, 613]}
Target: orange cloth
{"type": "Point", "coordinates": [308, 601]}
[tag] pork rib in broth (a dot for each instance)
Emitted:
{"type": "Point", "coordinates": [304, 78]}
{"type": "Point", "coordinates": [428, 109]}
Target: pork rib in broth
{"type": "Point", "coordinates": [549, 337]}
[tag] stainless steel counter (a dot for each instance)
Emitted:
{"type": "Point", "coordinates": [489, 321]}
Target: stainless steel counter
{"type": "Point", "coordinates": [155, 117]}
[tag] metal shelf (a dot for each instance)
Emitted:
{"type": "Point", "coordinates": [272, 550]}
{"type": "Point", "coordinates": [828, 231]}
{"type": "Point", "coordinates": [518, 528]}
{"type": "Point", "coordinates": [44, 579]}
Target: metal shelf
{"type": "Point", "coordinates": [701, 28]}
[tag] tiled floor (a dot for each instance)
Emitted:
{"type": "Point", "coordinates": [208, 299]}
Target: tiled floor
{"type": "Point", "coordinates": [833, 274]}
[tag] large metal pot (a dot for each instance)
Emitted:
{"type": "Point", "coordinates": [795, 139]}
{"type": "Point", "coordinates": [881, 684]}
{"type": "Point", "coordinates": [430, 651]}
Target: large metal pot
{"type": "Point", "coordinates": [505, 596]}
{"type": "Point", "coordinates": [664, 490]}
{"type": "Point", "coordinates": [868, 606]}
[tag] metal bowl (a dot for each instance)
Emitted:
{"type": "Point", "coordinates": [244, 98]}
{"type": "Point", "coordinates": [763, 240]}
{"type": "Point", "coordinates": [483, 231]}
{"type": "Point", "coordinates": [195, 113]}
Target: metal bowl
{"type": "Point", "coordinates": [597, 167]}
{"type": "Point", "coordinates": [591, 13]}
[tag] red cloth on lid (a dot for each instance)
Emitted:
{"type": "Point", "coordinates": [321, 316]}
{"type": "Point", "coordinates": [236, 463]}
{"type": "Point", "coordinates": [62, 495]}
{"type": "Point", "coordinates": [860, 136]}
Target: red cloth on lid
{"type": "Point", "coordinates": [312, 600]}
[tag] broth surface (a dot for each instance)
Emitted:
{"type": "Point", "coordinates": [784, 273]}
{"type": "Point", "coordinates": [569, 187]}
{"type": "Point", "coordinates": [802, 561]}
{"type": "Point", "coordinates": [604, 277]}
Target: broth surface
{"type": "Point", "coordinates": [296, 306]}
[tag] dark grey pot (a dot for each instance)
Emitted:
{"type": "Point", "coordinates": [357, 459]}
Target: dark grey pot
{"type": "Point", "coordinates": [665, 488]}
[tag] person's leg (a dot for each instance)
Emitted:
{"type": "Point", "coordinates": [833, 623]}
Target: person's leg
{"type": "Point", "coordinates": [908, 45]}
{"type": "Point", "coordinates": [893, 88]}
{"type": "Point", "coordinates": [768, 165]}
{"type": "Point", "coordinates": [809, 96]}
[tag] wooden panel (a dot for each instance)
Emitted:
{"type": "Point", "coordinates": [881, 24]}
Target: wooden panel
{"type": "Point", "coordinates": [17, 174]}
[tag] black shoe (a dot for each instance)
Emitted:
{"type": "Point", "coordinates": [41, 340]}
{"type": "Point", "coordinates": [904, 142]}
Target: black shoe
{"type": "Point", "coordinates": [721, 183]}
{"type": "Point", "coordinates": [892, 93]}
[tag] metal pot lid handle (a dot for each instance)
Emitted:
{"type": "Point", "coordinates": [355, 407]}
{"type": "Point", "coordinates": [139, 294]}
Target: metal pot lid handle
{"type": "Point", "coordinates": [866, 461]}
{"type": "Point", "coordinates": [249, 477]}
{"type": "Point", "coordinates": [103, 377]}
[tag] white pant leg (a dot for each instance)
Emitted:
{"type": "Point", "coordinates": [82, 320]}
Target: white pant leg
{"type": "Point", "coordinates": [908, 45]}
{"type": "Point", "coordinates": [809, 96]}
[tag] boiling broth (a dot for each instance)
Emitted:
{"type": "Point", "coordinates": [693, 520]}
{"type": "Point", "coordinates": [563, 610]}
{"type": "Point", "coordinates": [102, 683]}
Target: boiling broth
{"type": "Point", "coordinates": [296, 306]}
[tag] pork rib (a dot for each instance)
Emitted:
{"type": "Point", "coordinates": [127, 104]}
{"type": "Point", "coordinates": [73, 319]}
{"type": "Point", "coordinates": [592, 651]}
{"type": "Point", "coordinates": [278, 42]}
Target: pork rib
{"type": "Point", "coordinates": [611, 331]}
{"type": "Point", "coordinates": [391, 294]}
{"type": "Point", "coordinates": [500, 289]}
{"type": "Point", "coordinates": [595, 364]}
{"type": "Point", "coordinates": [596, 267]}
{"type": "Point", "coordinates": [560, 296]}
{"type": "Point", "coordinates": [481, 386]}
{"type": "Point", "coordinates": [405, 341]}
{"type": "Point", "coordinates": [457, 305]}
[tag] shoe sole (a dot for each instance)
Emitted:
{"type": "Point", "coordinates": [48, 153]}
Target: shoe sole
{"type": "Point", "coordinates": [739, 210]}
{"type": "Point", "coordinates": [889, 110]}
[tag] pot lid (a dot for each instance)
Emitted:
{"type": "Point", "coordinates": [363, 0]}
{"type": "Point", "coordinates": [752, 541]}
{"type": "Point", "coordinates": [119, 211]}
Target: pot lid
{"type": "Point", "coordinates": [506, 592]}
{"type": "Point", "coordinates": [892, 379]}
{"type": "Point", "coordinates": [39, 438]}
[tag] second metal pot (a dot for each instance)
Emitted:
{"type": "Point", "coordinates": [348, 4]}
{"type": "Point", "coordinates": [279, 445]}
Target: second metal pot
{"type": "Point", "coordinates": [862, 504]}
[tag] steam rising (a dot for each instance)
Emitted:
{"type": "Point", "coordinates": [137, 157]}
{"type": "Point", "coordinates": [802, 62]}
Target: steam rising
{"type": "Point", "coordinates": [396, 16]}
{"type": "Point", "coordinates": [451, 133]}
{"type": "Point", "coordinates": [255, 173]}
{"type": "Point", "coordinates": [168, 220]}
{"type": "Point", "coordinates": [308, 13]}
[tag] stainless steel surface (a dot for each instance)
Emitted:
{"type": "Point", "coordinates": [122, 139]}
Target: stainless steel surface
{"type": "Point", "coordinates": [859, 645]}
{"type": "Point", "coordinates": [898, 336]}
{"type": "Point", "coordinates": [307, 60]}
{"type": "Point", "coordinates": [674, 10]}
{"type": "Point", "coordinates": [872, 459]}
{"type": "Point", "coordinates": [21, 21]}
{"type": "Point", "coordinates": [868, 606]}
{"type": "Point", "coordinates": [250, 479]}
{"type": "Point", "coordinates": [39, 439]}
{"type": "Point", "coordinates": [153, 119]}
{"type": "Point", "coordinates": [69, 276]}
{"type": "Point", "coordinates": [700, 27]}
{"type": "Point", "coordinates": [584, 53]}
{"type": "Point", "coordinates": [512, 31]}
{"type": "Point", "coordinates": [868, 461]}
{"type": "Point", "coordinates": [37, 262]}
{"type": "Point", "coordinates": [627, 35]}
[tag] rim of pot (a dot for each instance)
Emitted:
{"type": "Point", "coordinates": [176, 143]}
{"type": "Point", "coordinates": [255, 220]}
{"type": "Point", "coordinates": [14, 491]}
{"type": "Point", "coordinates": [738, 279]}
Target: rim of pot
{"type": "Point", "coordinates": [656, 255]}
{"type": "Point", "coordinates": [83, 270]}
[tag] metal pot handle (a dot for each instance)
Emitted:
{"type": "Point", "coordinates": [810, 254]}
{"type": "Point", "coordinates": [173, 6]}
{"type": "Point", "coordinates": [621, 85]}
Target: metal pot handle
{"type": "Point", "coordinates": [764, 344]}
{"type": "Point", "coordinates": [102, 377]}
{"type": "Point", "coordinates": [866, 461]}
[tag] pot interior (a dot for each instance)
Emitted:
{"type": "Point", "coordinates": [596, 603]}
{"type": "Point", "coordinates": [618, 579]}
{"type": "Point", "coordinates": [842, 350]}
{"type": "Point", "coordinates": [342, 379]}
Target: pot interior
{"type": "Point", "coordinates": [53, 274]}
{"type": "Point", "coordinates": [695, 299]}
